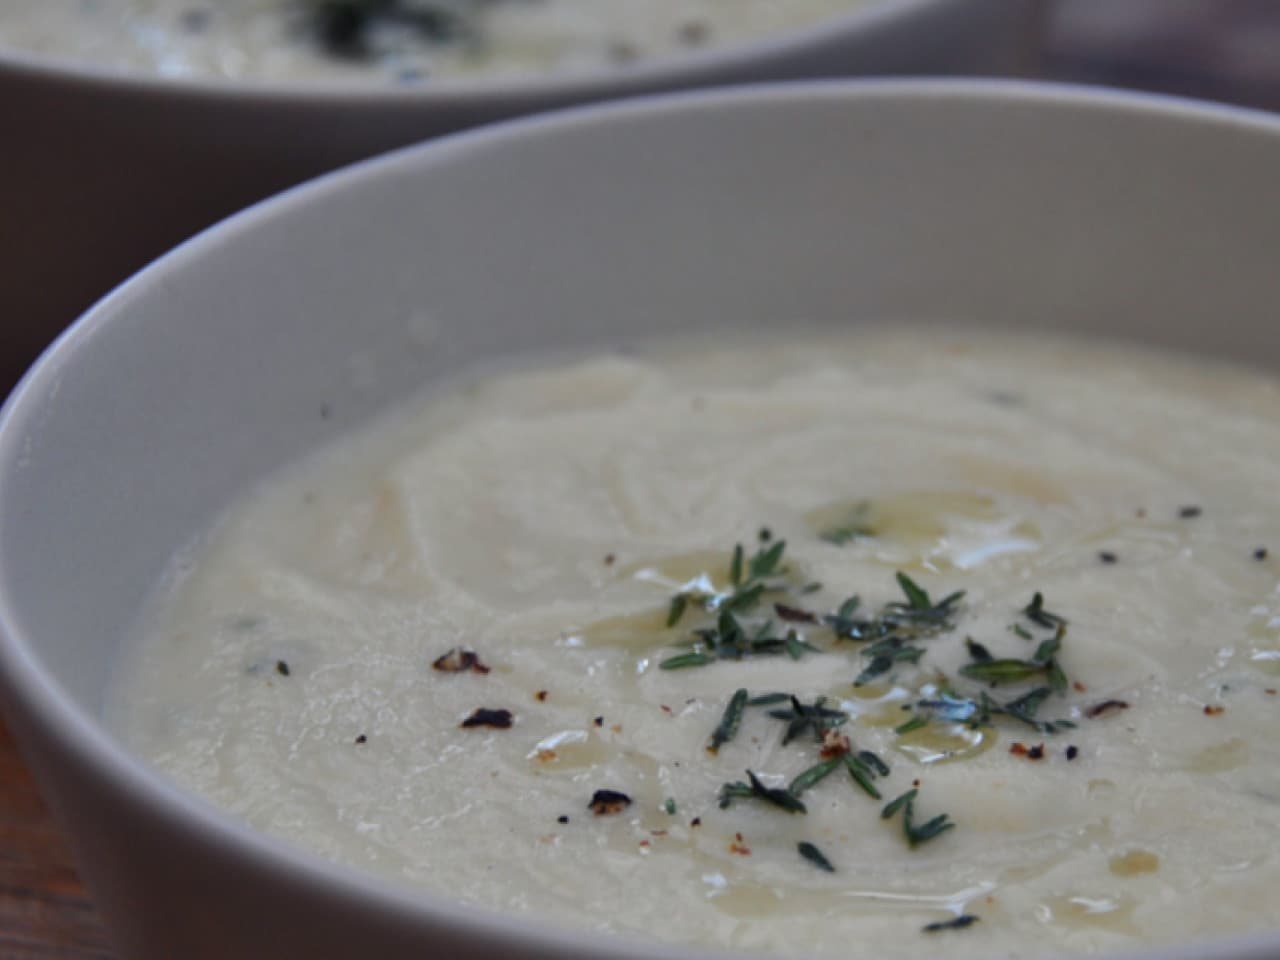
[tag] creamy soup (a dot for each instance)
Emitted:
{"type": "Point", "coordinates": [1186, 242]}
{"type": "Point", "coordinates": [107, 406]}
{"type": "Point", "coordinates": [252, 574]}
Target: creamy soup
{"type": "Point", "coordinates": [867, 647]}
{"type": "Point", "coordinates": [406, 41]}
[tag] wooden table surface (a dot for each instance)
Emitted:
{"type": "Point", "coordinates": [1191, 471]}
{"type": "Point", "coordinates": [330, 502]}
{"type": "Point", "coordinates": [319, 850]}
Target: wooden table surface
{"type": "Point", "coordinates": [44, 912]}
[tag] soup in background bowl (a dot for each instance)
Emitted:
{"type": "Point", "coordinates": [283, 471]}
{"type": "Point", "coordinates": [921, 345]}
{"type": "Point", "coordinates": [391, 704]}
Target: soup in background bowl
{"type": "Point", "coordinates": [946, 205]}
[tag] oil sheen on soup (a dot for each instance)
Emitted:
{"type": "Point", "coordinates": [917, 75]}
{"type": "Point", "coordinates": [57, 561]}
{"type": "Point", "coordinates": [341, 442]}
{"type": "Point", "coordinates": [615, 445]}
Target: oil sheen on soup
{"type": "Point", "coordinates": [859, 647]}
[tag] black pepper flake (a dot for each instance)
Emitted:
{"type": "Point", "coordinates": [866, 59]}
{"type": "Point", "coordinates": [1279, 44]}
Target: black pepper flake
{"type": "Point", "coordinates": [562, 819]}
{"type": "Point", "coordinates": [608, 802]}
{"type": "Point", "coordinates": [282, 668]}
{"type": "Point", "coordinates": [1106, 556]}
{"type": "Point", "coordinates": [362, 739]}
{"type": "Point", "coordinates": [1036, 752]}
{"type": "Point", "coordinates": [695, 822]}
{"type": "Point", "coordinates": [609, 559]}
{"type": "Point", "coordinates": [1072, 752]}
{"type": "Point", "coordinates": [484, 717]}
{"type": "Point", "coordinates": [541, 696]}
{"type": "Point", "coordinates": [459, 660]}
{"type": "Point", "coordinates": [1190, 512]}
{"type": "Point", "coordinates": [1260, 553]}
{"type": "Point", "coordinates": [1105, 707]}
{"type": "Point", "coordinates": [765, 534]}
{"type": "Point", "coordinates": [598, 721]}
{"type": "Point", "coordinates": [955, 923]}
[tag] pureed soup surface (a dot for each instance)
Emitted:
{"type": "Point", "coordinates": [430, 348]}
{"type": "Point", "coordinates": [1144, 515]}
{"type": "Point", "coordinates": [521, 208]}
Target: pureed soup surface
{"type": "Point", "coordinates": [496, 645]}
{"type": "Point", "coordinates": [401, 41]}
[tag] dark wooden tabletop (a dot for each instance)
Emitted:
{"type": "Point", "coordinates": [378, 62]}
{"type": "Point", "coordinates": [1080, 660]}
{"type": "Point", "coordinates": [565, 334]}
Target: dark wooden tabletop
{"type": "Point", "coordinates": [44, 912]}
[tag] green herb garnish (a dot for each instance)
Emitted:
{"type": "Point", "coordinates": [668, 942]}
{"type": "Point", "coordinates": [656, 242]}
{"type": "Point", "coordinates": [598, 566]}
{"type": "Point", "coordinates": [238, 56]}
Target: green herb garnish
{"type": "Point", "coordinates": [768, 699]}
{"type": "Point", "coordinates": [670, 806]}
{"type": "Point", "coordinates": [915, 723]}
{"type": "Point", "coordinates": [815, 856]}
{"type": "Point", "coordinates": [915, 835]}
{"type": "Point", "coordinates": [955, 923]}
{"type": "Point", "coordinates": [919, 616]}
{"type": "Point", "coordinates": [977, 651]}
{"type": "Point", "coordinates": [784, 799]}
{"type": "Point", "coordinates": [884, 654]}
{"type": "Point", "coordinates": [1037, 614]}
{"type": "Point", "coordinates": [679, 662]}
{"type": "Point", "coordinates": [812, 776]}
{"type": "Point", "coordinates": [802, 717]}
{"type": "Point", "coordinates": [728, 725]}
{"type": "Point", "coordinates": [874, 762]}
{"type": "Point", "coordinates": [1004, 670]}
{"type": "Point", "coordinates": [345, 27]}
{"type": "Point", "coordinates": [862, 774]}
{"type": "Point", "coordinates": [987, 669]}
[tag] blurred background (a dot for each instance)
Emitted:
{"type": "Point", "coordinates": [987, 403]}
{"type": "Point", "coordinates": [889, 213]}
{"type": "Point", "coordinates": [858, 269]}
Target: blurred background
{"type": "Point", "coordinates": [1226, 50]}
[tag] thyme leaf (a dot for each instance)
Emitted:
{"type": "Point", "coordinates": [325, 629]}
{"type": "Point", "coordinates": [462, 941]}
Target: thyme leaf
{"type": "Point", "coordinates": [1004, 670]}
{"type": "Point", "coordinates": [861, 774]}
{"type": "Point", "coordinates": [778, 797]}
{"type": "Point", "coordinates": [812, 776]}
{"type": "Point", "coordinates": [976, 650]}
{"type": "Point", "coordinates": [729, 723]}
{"type": "Point", "coordinates": [815, 716]}
{"type": "Point", "coordinates": [768, 699]}
{"type": "Point", "coordinates": [683, 660]}
{"type": "Point", "coordinates": [955, 923]}
{"type": "Point", "coordinates": [1037, 614]}
{"type": "Point", "coordinates": [915, 723]}
{"type": "Point", "coordinates": [815, 856]}
{"type": "Point", "coordinates": [922, 833]}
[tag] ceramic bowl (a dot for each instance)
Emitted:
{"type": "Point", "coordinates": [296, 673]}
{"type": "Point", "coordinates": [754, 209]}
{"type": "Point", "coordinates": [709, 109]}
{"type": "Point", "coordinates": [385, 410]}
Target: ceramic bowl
{"type": "Point", "coordinates": [830, 204]}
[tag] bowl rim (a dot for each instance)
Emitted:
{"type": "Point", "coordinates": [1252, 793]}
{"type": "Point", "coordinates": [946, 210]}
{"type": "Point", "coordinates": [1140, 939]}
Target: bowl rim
{"type": "Point", "coordinates": [703, 65]}
{"type": "Point", "coordinates": [30, 693]}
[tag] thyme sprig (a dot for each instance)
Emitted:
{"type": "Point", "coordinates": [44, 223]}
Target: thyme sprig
{"type": "Point", "coordinates": [728, 638]}
{"type": "Point", "coordinates": [753, 788]}
{"type": "Point", "coordinates": [980, 711]}
{"type": "Point", "coordinates": [988, 669]}
{"type": "Point", "coordinates": [918, 616]}
{"type": "Point", "coordinates": [1037, 614]}
{"type": "Point", "coordinates": [815, 716]}
{"type": "Point", "coordinates": [915, 834]}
